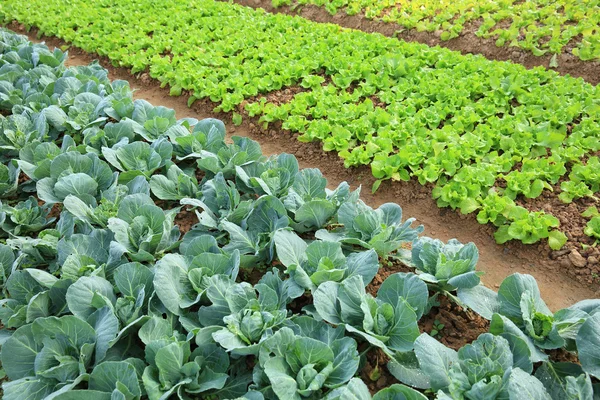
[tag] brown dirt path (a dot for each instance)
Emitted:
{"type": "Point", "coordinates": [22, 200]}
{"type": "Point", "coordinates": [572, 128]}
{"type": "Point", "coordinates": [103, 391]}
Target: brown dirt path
{"type": "Point", "coordinates": [497, 261]}
{"type": "Point", "coordinates": [466, 43]}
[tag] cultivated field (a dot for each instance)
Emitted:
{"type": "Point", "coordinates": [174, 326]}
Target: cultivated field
{"type": "Point", "coordinates": [155, 251]}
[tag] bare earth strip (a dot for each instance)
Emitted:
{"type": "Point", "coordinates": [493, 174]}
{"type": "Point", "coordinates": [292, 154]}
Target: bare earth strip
{"type": "Point", "coordinates": [497, 261]}
{"type": "Point", "coordinates": [466, 43]}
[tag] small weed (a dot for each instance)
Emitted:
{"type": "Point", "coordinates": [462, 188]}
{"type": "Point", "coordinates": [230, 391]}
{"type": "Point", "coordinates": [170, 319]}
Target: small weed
{"type": "Point", "coordinates": [437, 328]}
{"type": "Point", "coordinates": [375, 374]}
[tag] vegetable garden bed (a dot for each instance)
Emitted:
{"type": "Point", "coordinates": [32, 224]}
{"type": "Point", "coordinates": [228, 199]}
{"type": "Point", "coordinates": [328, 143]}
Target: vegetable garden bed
{"type": "Point", "coordinates": [556, 283]}
{"type": "Point", "coordinates": [467, 41]}
{"type": "Point", "coordinates": [104, 298]}
{"type": "Point", "coordinates": [378, 102]}
{"type": "Point", "coordinates": [537, 26]}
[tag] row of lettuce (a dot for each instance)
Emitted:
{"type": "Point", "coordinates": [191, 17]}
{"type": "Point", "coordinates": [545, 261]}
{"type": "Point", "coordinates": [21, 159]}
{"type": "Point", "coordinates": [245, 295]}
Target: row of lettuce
{"type": "Point", "coordinates": [485, 134]}
{"type": "Point", "coordinates": [102, 298]}
{"type": "Point", "coordinates": [538, 26]}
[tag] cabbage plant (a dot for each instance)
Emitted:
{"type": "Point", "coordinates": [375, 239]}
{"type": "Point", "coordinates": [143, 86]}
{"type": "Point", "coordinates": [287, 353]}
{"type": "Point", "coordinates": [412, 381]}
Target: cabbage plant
{"type": "Point", "coordinates": [271, 177]}
{"type": "Point", "coordinates": [175, 185]}
{"type": "Point", "coordinates": [175, 370]}
{"type": "Point", "coordinates": [225, 160]}
{"type": "Point", "coordinates": [152, 122]}
{"type": "Point", "coordinates": [7, 258]}
{"type": "Point", "coordinates": [138, 158]}
{"type": "Point", "coordinates": [16, 131]}
{"type": "Point", "coordinates": [32, 294]}
{"type": "Point", "coordinates": [51, 355]}
{"type": "Point", "coordinates": [9, 175]}
{"type": "Point", "coordinates": [71, 173]}
{"type": "Point", "coordinates": [219, 201]}
{"type": "Point", "coordinates": [243, 316]}
{"type": "Point", "coordinates": [25, 217]}
{"type": "Point", "coordinates": [88, 254]}
{"type": "Point", "coordinates": [109, 136]}
{"type": "Point", "coordinates": [309, 265]}
{"type": "Point", "coordinates": [310, 204]}
{"type": "Point", "coordinates": [518, 310]}
{"type": "Point", "coordinates": [305, 360]}
{"type": "Point", "coordinates": [446, 267]}
{"type": "Point", "coordinates": [182, 279]}
{"type": "Point", "coordinates": [356, 389]}
{"type": "Point", "coordinates": [207, 136]}
{"type": "Point", "coordinates": [488, 368]}
{"type": "Point", "coordinates": [381, 230]}
{"type": "Point", "coordinates": [95, 214]}
{"type": "Point", "coordinates": [143, 230]}
{"type": "Point", "coordinates": [388, 321]}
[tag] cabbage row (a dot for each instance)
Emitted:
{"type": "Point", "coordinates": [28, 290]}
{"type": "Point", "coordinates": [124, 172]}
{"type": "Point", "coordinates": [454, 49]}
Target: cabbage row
{"type": "Point", "coordinates": [102, 297]}
{"type": "Point", "coordinates": [538, 26]}
{"type": "Point", "coordinates": [484, 133]}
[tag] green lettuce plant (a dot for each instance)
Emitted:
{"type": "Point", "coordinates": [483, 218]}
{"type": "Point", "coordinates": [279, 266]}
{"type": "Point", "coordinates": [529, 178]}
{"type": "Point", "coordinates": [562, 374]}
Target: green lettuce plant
{"type": "Point", "coordinates": [592, 227]}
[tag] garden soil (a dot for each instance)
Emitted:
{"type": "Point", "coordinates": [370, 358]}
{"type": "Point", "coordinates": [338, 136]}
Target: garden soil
{"type": "Point", "coordinates": [497, 261]}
